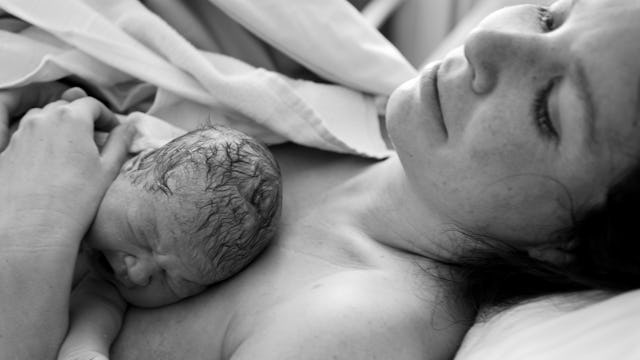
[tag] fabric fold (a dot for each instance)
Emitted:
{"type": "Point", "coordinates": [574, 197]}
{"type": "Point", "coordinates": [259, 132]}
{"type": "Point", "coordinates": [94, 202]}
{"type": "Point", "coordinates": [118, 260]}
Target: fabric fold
{"type": "Point", "coordinates": [120, 46]}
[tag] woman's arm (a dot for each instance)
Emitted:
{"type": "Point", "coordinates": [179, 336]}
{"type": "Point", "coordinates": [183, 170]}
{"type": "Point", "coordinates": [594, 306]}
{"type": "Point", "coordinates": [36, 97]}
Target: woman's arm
{"type": "Point", "coordinates": [52, 179]}
{"type": "Point", "coordinates": [95, 318]}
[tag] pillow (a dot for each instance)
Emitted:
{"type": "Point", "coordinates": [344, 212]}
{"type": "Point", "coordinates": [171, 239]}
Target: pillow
{"type": "Point", "coordinates": [584, 325]}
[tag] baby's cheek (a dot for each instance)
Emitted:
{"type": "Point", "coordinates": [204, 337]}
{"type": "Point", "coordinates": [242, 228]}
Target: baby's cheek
{"type": "Point", "coordinates": [150, 296]}
{"type": "Point", "coordinates": [184, 288]}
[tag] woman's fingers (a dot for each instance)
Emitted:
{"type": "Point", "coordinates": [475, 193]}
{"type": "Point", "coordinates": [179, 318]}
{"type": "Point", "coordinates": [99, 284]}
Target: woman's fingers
{"type": "Point", "coordinates": [77, 121]}
{"type": "Point", "coordinates": [17, 101]}
{"type": "Point", "coordinates": [52, 163]}
{"type": "Point", "coordinates": [49, 106]}
{"type": "Point", "coordinates": [91, 111]}
{"type": "Point", "coordinates": [116, 150]}
{"type": "Point", "coordinates": [73, 94]}
{"type": "Point", "coordinates": [77, 108]}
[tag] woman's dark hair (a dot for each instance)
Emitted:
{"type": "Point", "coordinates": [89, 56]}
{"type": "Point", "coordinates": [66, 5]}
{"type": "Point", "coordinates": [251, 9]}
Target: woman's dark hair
{"type": "Point", "coordinates": [606, 256]}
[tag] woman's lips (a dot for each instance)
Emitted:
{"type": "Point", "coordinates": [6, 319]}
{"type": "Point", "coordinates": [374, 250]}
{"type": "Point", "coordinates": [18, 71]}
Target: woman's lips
{"type": "Point", "coordinates": [431, 95]}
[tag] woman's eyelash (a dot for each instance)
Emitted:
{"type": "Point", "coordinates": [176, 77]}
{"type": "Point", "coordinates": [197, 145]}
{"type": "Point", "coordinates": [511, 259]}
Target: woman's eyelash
{"type": "Point", "coordinates": [541, 112]}
{"type": "Point", "coordinates": [545, 18]}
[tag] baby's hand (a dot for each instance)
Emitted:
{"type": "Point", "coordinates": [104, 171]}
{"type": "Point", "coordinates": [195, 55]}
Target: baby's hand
{"type": "Point", "coordinates": [96, 312]}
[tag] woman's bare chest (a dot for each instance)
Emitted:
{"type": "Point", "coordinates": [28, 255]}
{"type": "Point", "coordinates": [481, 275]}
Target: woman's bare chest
{"type": "Point", "coordinates": [213, 324]}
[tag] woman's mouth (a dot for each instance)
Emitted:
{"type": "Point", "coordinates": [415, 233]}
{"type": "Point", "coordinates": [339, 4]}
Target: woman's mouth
{"type": "Point", "coordinates": [430, 93]}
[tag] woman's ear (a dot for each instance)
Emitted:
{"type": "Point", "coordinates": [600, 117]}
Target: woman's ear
{"type": "Point", "coordinates": [140, 269]}
{"type": "Point", "coordinates": [556, 254]}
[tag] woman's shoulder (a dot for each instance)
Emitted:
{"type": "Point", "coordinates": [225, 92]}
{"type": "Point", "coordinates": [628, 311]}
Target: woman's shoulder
{"type": "Point", "coordinates": [360, 314]}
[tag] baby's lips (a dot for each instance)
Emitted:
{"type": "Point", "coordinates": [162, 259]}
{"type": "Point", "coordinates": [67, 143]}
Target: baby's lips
{"type": "Point", "coordinates": [107, 270]}
{"type": "Point", "coordinates": [123, 279]}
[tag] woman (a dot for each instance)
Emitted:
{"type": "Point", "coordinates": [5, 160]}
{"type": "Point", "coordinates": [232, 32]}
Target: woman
{"type": "Point", "coordinates": [503, 148]}
{"type": "Point", "coordinates": [53, 178]}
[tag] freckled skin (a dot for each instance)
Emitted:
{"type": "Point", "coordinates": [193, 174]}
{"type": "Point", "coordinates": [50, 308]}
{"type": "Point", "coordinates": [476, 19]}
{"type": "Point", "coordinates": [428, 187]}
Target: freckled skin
{"type": "Point", "coordinates": [495, 161]}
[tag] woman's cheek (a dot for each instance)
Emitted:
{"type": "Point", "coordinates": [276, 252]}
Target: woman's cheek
{"type": "Point", "coordinates": [502, 147]}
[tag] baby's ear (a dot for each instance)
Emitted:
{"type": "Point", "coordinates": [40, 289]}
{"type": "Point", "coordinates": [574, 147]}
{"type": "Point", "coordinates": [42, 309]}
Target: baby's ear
{"type": "Point", "coordinates": [140, 269]}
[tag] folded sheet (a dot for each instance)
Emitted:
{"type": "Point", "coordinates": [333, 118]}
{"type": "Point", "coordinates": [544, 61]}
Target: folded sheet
{"type": "Point", "coordinates": [138, 60]}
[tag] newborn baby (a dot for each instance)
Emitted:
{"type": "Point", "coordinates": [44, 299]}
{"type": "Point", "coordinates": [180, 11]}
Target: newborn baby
{"type": "Point", "coordinates": [176, 220]}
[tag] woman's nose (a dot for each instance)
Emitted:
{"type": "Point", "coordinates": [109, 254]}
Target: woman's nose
{"type": "Point", "coordinates": [488, 52]}
{"type": "Point", "coordinates": [499, 44]}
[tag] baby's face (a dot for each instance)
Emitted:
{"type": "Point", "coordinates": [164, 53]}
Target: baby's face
{"type": "Point", "coordinates": [133, 244]}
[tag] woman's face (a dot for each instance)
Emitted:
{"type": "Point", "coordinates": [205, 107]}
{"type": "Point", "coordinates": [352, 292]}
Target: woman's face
{"type": "Point", "coordinates": [533, 119]}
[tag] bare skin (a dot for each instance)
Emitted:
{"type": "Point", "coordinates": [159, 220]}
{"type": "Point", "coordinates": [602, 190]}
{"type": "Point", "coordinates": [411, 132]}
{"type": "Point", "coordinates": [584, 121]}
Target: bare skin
{"type": "Point", "coordinates": [53, 167]}
{"type": "Point", "coordinates": [349, 275]}
{"type": "Point", "coordinates": [314, 278]}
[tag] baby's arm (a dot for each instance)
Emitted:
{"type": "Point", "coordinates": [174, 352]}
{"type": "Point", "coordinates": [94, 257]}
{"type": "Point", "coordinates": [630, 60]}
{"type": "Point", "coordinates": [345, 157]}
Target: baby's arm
{"type": "Point", "coordinates": [96, 313]}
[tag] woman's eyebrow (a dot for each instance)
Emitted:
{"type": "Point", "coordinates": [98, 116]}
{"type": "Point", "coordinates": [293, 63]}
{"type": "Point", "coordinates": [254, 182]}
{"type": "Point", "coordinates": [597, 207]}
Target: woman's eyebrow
{"type": "Point", "coordinates": [578, 75]}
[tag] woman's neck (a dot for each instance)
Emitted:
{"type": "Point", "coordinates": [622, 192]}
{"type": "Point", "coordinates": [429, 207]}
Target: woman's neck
{"type": "Point", "coordinates": [384, 206]}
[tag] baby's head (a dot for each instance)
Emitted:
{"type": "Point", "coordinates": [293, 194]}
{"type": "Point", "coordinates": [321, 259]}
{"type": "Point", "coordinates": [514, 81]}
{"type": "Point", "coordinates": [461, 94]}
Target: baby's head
{"type": "Point", "coordinates": [187, 215]}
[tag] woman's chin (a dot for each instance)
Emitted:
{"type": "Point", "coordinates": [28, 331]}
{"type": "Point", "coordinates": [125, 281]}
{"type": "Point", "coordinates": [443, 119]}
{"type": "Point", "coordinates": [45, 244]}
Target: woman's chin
{"type": "Point", "coordinates": [411, 125]}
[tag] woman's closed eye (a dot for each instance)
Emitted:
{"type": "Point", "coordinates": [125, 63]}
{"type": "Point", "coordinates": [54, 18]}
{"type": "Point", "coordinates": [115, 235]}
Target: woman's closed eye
{"type": "Point", "coordinates": [552, 16]}
{"type": "Point", "coordinates": [545, 18]}
{"type": "Point", "coordinates": [541, 113]}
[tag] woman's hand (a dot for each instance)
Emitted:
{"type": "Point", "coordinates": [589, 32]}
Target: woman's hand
{"type": "Point", "coordinates": [52, 163]}
{"type": "Point", "coordinates": [15, 102]}
{"type": "Point", "coordinates": [52, 179]}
